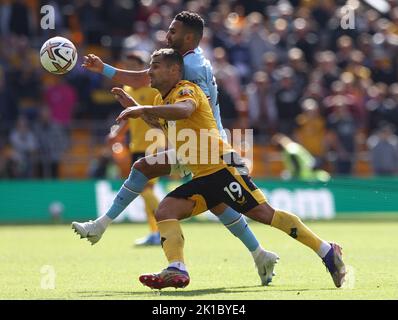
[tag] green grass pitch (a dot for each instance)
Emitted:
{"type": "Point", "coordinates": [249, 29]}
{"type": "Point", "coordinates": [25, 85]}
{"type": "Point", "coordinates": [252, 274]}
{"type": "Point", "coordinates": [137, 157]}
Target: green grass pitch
{"type": "Point", "coordinates": [220, 266]}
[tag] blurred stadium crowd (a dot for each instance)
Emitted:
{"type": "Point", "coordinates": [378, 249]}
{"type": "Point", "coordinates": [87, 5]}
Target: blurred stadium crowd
{"type": "Point", "coordinates": [281, 66]}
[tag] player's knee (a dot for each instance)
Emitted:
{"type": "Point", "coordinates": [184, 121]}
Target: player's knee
{"type": "Point", "coordinates": [263, 213]}
{"type": "Point", "coordinates": [142, 166]}
{"type": "Point", "coordinates": [161, 213]}
{"type": "Point", "coordinates": [268, 215]}
{"type": "Point", "coordinates": [218, 209]}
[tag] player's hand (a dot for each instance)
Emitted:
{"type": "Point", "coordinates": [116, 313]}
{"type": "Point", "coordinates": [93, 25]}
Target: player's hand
{"type": "Point", "coordinates": [123, 97]}
{"type": "Point", "coordinates": [130, 112]}
{"type": "Point", "coordinates": [93, 63]}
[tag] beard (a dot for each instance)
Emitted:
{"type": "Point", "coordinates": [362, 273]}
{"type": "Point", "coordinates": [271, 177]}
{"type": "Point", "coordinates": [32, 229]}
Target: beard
{"type": "Point", "coordinates": [154, 84]}
{"type": "Point", "coordinates": [176, 45]}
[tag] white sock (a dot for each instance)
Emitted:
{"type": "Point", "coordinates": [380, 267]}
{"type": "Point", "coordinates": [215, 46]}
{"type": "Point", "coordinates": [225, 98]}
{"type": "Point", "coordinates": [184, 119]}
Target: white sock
{"type": "Point", "coordinates": [104, 220]}
{"type": "Point", "coordinates": [257, 252]}
{"type": "Point", "coordinates": [324, 249]}
{"type": "Point", "coordinates": [179, 265]}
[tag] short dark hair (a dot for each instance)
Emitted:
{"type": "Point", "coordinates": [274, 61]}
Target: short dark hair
{"type": "Point", "coordinates": [193, 21]}
{"type": "Point", "coordinates": [171, 56]}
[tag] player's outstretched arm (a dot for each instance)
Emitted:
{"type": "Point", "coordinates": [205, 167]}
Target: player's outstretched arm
{"type": "Point", "coordinates": [125, 77]}
{"type": "Point", "coordinates": [127, 101]}
{"type": "Point", "coordinates": [176, 111]}
{"type": "Point", "coordinates": [123, 97]}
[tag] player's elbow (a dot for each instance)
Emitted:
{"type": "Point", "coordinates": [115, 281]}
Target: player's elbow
{"type": "Point", "coordinates": [185, 109]}
{"type": "Point", "coordinates": [186, 113]}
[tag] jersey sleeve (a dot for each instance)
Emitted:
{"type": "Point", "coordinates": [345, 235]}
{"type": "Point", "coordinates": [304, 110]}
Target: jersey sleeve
{"type": "Point", "coordinates": [187, 92]}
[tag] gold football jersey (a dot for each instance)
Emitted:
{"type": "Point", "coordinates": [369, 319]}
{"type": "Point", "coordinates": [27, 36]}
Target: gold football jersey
{"type": "Point", "coordinates": [197, 140]}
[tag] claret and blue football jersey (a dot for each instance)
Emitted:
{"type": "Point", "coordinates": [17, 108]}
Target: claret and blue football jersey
{"type": "Point", "coordinates": [198, 70]}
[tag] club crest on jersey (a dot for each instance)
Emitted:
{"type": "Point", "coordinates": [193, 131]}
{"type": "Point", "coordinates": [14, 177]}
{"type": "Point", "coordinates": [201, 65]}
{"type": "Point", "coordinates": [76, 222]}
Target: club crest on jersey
{"type": "Point", "coordinates": [185, 92]}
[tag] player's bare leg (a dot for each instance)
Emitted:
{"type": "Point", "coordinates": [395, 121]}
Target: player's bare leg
{"type": "Point", "coordinates": [292, 225]}
{"type": "Point", "coordinates": [142, 171]}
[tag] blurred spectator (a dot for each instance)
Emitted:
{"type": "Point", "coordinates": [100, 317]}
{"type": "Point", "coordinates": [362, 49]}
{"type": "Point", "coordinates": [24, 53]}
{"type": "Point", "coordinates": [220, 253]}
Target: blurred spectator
{"type": "Point", "coordinates": [28, 88]}
{"type": "Point", "coordinates": [344, 48]}
{"type": "Point", "coordinates": [205, 44]}
{"type": "Point", "coordinates": [392, 105]}
{"type": "Point", "coordinates": [380, 107]}
{"type": "Point", "coordinates": [7, 112]}
{"type": "Point", "coordinates": [140, 40]}
{"type": "Point", "coordinates": [17, 17]}
{"type": "Point", "coordinates": [383, 147]}
{"type": "Point", "coordinates": [382, 70]}
{"type": "Point", "coordinates": [311, 130]}
{"type": "Point", "coordinates": [314, 90]}
{"type": "Point", "coordinates": [297, 63]}
{"type": "Point", "coordinates": [270, 66]}
{"type": "Point", "coordinates": [239, 55]}
{"type": "Point", "coordinates": [23, 79]}
{"type": "Point", "coordinates": [279, 38]}
{"type": "Point", "coordinates": [357, 65]}
{"type": "Point", "coordinates": [287, 99]}
{"type": "Point", "coordinates": [228, 105]}
{"type": "Point", "coordinates": [216, 25]}
{"type": "Point", "coordinates": [257, 39]}
{"type": "Point", "coordinates": [61, 98]}
{"type": "Point", "coordinates": [8, 167]}
{"type": "Point", "coordinates": [323, 12]}
{"type": "Point", "coordinates": [145, 10]}
{"type": "Point", "coordinates": [342, 130]}
{"type": "Point", "coordinates": [263, 114]}
{"type": "Point", "coordinates": [92, 15]}
{"type": "Point", "coordinates": [299, 163]}
{"type": "Point", "coordinates": [352, 92]}
{"type": "Point", "coordinates": [52, 143]}
{"type": "Point", "coordinates": [103, 104]}
{"type": "Point", "coordinates": [365, 46]}
{"type": "Point", "coordinates": [24, 145]}
{"type": "Point", "coordinates": [120, 17]}
{"type": "Point", "coordinates": [223, 69]}
{"type": "Point", "coordinates": [327, 70]}
{"type": "Point", "coordinates": [305, 39]}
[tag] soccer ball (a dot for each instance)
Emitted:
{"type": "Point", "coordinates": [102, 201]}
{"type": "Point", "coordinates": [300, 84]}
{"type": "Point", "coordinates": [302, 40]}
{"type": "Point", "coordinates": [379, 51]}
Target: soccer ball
{"type": "Point", "coordinates": [58, 55]}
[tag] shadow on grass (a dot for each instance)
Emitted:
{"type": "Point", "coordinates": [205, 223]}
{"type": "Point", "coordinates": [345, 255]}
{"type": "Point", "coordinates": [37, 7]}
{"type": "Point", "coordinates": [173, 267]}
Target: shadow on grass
{"type": "Point", "coordinates": [167, 292]}
{"type": "Point", "coordinates": [190, 293]}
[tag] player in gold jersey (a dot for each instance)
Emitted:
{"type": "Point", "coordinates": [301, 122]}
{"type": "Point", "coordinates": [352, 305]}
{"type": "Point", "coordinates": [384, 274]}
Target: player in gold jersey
{"type": "Point", "coordinates": [138, 60]}
{"type": "Point", "coordinates": [184, 35]}
{"type": "Point", "coordinates": [183, 109]}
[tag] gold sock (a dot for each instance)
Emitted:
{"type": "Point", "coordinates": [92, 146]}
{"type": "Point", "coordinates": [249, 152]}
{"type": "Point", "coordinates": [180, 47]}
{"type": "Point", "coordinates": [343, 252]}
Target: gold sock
{"type": "Point", "coordinates": [294, 227]}
{"type": "Point", "coordinates": [151, 203]}
{"type": "Point", "coordinates": [172, 240]}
